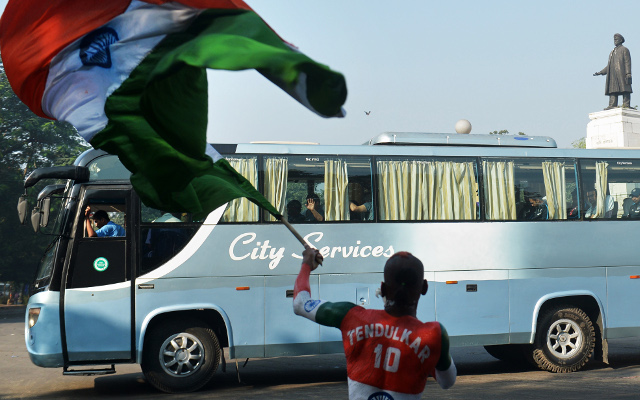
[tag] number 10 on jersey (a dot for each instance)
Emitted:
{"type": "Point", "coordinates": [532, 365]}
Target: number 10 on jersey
{"type": "Point", "coordinates": [391, 358]}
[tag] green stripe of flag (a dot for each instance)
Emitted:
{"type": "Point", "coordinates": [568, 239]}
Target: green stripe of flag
{"type": "Point", "coordinates": [158, 116]}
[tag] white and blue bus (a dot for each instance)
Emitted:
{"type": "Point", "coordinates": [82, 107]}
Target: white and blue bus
{"type": "Point", "coordinates": [530, 251]}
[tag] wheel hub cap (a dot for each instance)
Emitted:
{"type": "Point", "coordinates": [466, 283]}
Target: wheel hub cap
{"type": "Point", "coordinates": [564, 338]}
{"type": "Point", "coordinates": [181, 354]}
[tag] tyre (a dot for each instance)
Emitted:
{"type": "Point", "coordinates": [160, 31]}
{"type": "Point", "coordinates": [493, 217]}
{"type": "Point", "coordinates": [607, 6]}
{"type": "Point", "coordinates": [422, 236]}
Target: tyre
{"type": "Point", "coordinates": [512, 353]}
{"type": "Point", "coordinates": [565, 340]}
{"type": "Point", "coordinates": [180, 356]}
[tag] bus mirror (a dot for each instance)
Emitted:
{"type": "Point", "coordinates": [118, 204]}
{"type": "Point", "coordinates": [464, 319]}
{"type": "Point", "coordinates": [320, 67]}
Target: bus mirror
{"type": "Point", "coordinates": [35, 218]}
{"type": "Point", "coordinates": [46, 206]}
{"type": "Point", "coordinates": [78, 174]}
{"type": "Point", "coordinates": [22, 209]}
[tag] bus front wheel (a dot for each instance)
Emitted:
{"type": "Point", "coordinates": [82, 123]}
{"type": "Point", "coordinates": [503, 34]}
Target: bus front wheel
{"type": "Point", "coordinates": [180, 356]}
{"type": "Point", "coordinates": [565, 340]}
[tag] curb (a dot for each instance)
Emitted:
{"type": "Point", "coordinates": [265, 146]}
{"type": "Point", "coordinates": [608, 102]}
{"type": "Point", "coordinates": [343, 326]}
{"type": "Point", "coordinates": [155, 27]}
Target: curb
{"type": "Point", "coordinates": [12, 311]}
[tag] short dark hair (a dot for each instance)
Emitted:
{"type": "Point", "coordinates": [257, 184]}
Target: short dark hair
{"type": "Point", "coordinates": [294, 206]}
{"type": "Point", "coordinates": [403, 268]}
{"type": "Point", "coordinates": [532, 195]}
{"type": "Point", "coordinates": [404, 272]}
{"type": "Point", "coordinates": [100, 214]}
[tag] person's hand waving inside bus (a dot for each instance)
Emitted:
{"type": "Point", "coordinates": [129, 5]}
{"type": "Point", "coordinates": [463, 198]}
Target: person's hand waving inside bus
{"type": "Point", "coordinates": [389, 352]}
{"type": "Point", "coordinates": [314, 210]}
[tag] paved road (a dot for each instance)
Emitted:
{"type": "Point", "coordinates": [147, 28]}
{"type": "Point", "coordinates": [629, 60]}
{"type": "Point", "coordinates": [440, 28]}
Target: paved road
{"type": "Point", "coordinates": [318, 377]}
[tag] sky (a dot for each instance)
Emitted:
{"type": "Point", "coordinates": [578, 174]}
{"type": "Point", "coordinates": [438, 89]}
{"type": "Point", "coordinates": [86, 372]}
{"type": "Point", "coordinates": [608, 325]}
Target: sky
{"type": "Point", "coordinates": [422, 65]}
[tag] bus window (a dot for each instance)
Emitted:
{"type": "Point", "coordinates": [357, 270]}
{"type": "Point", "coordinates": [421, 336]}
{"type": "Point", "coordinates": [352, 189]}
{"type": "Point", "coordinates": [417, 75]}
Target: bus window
{"type": "Point", "coordinates": [308, 189]}
{"type": "Point", "coordinates": [607, 186]}
{"type": "Point", "coordinates": [162, 235]}
{"type": "Point", "coordinates": [528, 189]}
{"type": "Point", "coordinates": [427, 189]}
{"type": "Point", "coordinates": [243, 210]}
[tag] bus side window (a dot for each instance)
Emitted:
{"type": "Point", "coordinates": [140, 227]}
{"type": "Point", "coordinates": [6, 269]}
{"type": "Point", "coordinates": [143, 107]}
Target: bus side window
{"type": "Point", "coordinates": [437, 189]}
{"type": "Point", "coordinates": [314, 189]}
{"type": "Point", "coordinates": [162, 236]}
{"type": "Point", "coordinates": [243, 210]}
{"type": "Point", "coordinates": [606, 188]}
{"type": "Point", "coordinates": [528, 189]}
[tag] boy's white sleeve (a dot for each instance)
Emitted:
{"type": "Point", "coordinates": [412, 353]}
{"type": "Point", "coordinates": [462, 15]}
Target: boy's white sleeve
{"type": "Point", "coordinates": [447, 378]}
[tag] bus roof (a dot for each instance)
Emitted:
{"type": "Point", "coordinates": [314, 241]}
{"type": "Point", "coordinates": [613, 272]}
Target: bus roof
{"type": "Point", "coordinates": [457, 139]}
{"type": "Point", "coordinates": [378, 147]}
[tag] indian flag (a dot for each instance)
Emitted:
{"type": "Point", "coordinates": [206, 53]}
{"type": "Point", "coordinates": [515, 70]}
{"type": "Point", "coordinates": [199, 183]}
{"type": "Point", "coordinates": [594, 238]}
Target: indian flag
{"type": "Point", "coordinates": [131, 77]}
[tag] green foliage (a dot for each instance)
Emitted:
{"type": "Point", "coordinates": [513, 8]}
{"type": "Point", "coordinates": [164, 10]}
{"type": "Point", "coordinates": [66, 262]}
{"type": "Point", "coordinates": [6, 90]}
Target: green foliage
{"type": "Point", "coordinates": [580, 143]}
{"type": "Point", "coordinates": [505, 132]}
{"type": "Point", "coordinates": [27, 142]}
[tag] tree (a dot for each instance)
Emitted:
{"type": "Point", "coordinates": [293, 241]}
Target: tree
{"type": "Point", "coordinates": [580, 143]}
{"type": "Point", "coordinates": [27, 142]}
{"type": "Point", "coordinates": [505, 132]}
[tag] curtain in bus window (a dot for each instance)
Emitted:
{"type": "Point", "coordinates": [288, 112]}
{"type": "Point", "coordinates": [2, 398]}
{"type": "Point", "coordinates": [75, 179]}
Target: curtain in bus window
{"type": "Point", "coordinates": [456, 191]}
{"type": "Point", "coordinates": [242, 210]}
{"type": "Point", "coordinates": [499, 190]}
{"type": "Point", "coordinates": [601, 188]}
{"type": "Point", "coordinates": [553, 173]}
{"type": "Point", "coordinates": [275, 183]}
{"type": "Point", "coordinates": [336, 194]}
{"type": "Point", "coordinates": [403, 190]}
{"type": "Point", "coordinates": [426, 190]}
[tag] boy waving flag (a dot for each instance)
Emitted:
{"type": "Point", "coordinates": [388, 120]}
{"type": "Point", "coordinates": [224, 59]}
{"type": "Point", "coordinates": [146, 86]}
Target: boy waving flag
{"type": "Point", "coordinates": [390, 353]}
{"type": "Point", "coordinates": [131, 77]}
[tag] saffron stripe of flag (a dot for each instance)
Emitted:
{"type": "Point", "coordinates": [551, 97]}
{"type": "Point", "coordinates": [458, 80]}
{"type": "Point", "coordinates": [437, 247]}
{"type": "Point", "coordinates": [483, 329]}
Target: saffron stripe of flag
{"type": "Point", "coordinates": [136, 86]}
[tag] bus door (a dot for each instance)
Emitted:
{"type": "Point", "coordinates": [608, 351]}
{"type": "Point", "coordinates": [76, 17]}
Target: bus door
{"type": "Point", "coordinates": [97, 292]}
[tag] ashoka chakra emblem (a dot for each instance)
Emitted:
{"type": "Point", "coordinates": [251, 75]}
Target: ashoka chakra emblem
{"type": "Point", "coordinates": [94, 48]}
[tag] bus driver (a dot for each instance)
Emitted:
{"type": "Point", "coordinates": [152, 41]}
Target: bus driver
{"type": "Point", "coordinates": [105, 226]}
{"type": "Point", "coordinates": [390, 353]}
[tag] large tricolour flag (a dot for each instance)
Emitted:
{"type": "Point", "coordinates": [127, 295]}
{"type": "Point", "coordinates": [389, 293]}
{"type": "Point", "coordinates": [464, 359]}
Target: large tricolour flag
{"type": "Point", "coordinates": [131, 77]}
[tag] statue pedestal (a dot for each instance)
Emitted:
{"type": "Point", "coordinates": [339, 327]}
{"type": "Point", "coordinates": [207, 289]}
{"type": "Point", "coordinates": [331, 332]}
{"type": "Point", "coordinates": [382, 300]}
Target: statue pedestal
{"type": "Point", "coordinates": [619, 127]}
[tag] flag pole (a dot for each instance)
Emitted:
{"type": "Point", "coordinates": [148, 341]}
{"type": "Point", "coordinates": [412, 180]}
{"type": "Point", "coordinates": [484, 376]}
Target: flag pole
{"type": "Point", "coordinates": [300, 238]}
{"type": "Point", "coordinates": [295, 232]}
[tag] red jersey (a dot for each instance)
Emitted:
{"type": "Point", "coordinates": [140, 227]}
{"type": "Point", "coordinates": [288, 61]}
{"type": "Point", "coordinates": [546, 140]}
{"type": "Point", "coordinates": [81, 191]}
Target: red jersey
{"type": "Point", "coordinates": [391, 353]}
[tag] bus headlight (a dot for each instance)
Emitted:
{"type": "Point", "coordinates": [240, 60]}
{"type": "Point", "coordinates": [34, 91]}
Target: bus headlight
{"type": "Point", "coordinates": [34, 313]}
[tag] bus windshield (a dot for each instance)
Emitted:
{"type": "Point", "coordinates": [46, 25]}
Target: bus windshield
{"type": "Point", "coordinates": [57, 216]}
{"type": "Point", "coordinates": [45, 268]}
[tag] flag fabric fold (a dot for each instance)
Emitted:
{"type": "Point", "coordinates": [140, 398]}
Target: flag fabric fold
{"type": "Point", "coordinates": [131, 77]}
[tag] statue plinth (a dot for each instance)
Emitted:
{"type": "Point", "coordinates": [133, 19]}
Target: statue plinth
{"type": "Point", "coordinates": [618, 127]}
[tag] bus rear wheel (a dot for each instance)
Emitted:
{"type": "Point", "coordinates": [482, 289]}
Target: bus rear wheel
{"type": "Point", "coordinates": [565, 340]}
{"type": "Point", "coordinates": [180, 356]}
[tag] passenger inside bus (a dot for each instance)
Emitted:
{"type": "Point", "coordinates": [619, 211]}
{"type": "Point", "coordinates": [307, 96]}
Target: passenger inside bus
{"type": "Point", "coordinates": [592, 206]}
{"type": "Point", "coordinates": [294, 212]}
{"type": "Point", "coordinates": [314, 212]}
{"type": "Point", "coordinates": [537, 209]}
{"type": "Point", "coordinates": [634, 209]}
{"type": "Point", "coordinates": [168, 217]}
{"type": "Point", "coordinates": [626, 206]}
{"type": "Point", "coordinates": [360, 204]}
